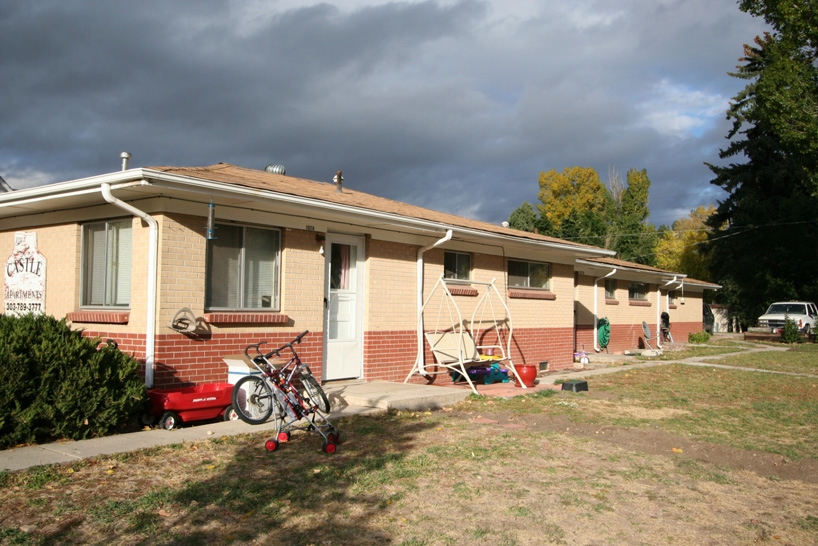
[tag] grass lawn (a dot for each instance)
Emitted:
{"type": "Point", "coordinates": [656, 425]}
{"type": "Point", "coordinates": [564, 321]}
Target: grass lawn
{"type": "Point", "coordinates": [671, 454]}
{"type": "Point", "coordinates": [799, 358]}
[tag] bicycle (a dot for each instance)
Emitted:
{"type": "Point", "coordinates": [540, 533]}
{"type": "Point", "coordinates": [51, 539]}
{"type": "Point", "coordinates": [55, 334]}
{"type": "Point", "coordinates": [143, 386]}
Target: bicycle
{"type": "Point", "coordinates": [272, 391]}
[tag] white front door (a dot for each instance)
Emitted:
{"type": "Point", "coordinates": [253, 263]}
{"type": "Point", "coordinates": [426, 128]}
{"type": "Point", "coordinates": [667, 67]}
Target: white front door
{"type": "Point", "coordinates": [344, 300]}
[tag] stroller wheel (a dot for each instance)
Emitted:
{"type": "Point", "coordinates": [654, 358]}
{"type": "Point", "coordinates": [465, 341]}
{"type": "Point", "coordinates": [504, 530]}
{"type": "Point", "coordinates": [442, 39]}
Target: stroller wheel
{"type": "Point", "coordinates": [271, 445]}
{"type": "Point", "coordinates": [330, 447]}
{"type": "Point", "coordinates": [283, 436]}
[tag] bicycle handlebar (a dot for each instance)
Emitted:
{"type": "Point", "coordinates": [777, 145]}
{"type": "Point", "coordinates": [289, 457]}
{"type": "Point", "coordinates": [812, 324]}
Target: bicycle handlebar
{"type": "Point", "coordinates": [275, 351]}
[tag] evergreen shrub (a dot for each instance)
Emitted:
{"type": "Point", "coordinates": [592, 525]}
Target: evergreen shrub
{"type": "Point", "coordinates": [790, 333]}
{"type": "Point", "coordinates": [55, 383]}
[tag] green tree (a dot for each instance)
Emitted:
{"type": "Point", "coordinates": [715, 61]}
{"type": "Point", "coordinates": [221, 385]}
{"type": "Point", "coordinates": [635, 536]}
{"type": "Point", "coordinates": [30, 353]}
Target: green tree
{"type": "Point", "coordinates": [633, 238]}
{"type": "Point", "coordinates": [576, 206]}
{"type": "Point", "coordinates": [524, 218]}
{"type": "Point", "coordinates": [765, 231]}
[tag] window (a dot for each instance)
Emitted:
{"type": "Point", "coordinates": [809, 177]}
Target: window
{"type": "Point", "coordinates": [637, 291]}
{"type": "Point", "coordinates": [457, 266]}
{"type": "Point", "coordinates": [671, 297]}
{"type": "Point", "coordinates": [529, 274]}
{"type": "Point", "coordinates": [106, 264]}
{"type": "Point", "coordinates": [243, 269]}
{"type": "Point", "coordinates": [610, 289]}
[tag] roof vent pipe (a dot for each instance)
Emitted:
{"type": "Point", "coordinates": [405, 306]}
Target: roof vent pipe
{"type": "Point", "coordinates": [339, 181]}
{"type": "Point", "coordinates": [125, 157]}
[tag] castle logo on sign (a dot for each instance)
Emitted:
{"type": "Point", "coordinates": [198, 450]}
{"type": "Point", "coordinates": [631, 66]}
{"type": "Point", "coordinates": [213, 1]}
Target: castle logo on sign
{"type": "Point", "coordinates": [25, 277]}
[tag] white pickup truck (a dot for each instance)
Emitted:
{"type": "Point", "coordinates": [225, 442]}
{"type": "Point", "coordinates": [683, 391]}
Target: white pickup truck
{"type": "Point", "coordinates": [803, 313]}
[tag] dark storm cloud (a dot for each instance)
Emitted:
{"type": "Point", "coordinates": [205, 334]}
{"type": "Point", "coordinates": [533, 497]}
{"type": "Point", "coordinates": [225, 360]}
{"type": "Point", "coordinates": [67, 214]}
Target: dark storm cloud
{"type": "Point", "coordinates": [452, 105]}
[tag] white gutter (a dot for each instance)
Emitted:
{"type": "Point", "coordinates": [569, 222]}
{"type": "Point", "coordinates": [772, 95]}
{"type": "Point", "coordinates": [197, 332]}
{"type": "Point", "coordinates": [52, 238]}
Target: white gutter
{"type": "Point", "coordinates": [596, 307]}
{"type": "Point", "coordinates": [153, 245]}
{"type": "Point", "coordinates": [420, 363]}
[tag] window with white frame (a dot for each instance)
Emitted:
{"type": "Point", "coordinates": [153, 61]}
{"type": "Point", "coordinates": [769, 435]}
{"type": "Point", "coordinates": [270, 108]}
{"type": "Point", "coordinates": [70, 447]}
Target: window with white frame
{"type": "Point", "coordinates": [457, 265]}
{"type": "Point", "coordinates": [243, 268]}
{"type": "Point", "coordinates": [529, 274]}
{"type": "Point", "coordinates": [637, 291]}
{"type": "Point", "coordinates": [106, 264]}
{"type": "Point", "coordinates": [610, 289]}
{"type": "Point", "coordinates": [671, 297]}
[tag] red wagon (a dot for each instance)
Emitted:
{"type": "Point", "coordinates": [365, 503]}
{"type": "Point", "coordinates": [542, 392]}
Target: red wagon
{"type": "Point", "coordinates": [186, 404]}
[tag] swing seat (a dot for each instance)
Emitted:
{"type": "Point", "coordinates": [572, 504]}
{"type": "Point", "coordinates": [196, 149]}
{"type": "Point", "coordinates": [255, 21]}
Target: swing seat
{"type": "Point", "coordinates": [455, 348]}
{"type": "Point", "coordinates": [457, 352]}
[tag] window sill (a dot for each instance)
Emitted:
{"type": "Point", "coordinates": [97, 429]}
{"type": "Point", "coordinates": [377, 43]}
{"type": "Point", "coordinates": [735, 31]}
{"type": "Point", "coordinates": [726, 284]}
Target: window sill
{"type": "Point", "coordinates": [246, 318]}
{"type": "Point", "coordinates": [531, 294]}
{"type": "Point", "coordinates": [462, 291]}
{"type": "Point", "coordinates": [639, 303]}
{"type": "Point", "coordinates": [100, 317]}
{"type": "Point", "coordinates": [672, 306]}
{"type": "Point", "coordinates": [611, 302]}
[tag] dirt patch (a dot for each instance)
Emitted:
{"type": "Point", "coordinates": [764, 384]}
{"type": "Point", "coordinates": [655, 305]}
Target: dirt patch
{"type": "Point", "coordinates": [658, 442]}
{"type": "Point", "coordinates": [634, 411]}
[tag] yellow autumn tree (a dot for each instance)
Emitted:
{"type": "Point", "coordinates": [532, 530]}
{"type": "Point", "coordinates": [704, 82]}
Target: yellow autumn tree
{"type": "Point", "coordinates": [682, 248]}
{"type": "Point", "coordinates": [574, 189]}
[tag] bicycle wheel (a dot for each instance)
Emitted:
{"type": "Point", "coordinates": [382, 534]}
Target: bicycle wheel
{"type": "Point", "coordinates": [252, 399]}
{"type": "Point", "coordinates": [314, 393]}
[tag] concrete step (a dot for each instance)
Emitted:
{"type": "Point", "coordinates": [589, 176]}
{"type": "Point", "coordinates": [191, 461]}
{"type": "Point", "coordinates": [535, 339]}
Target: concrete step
{"type": "Point", "coordinates": [387, 395]}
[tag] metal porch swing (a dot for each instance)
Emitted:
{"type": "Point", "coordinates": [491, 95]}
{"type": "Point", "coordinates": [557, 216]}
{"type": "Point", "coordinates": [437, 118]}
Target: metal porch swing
{"type": "Point", "coordinates": [457, 345]}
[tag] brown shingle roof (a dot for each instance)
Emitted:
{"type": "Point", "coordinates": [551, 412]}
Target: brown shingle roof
{"type": "Point", "coordinates": [614, 262]}
{"type": "Point", "coordinates": [327, 192]}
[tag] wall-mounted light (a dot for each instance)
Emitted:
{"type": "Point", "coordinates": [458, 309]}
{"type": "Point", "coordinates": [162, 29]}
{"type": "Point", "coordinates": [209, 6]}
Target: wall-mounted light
{"type": "Point", "coordinates": [211, 221]}
{"type": "Point", "coordinates": [319, 238]}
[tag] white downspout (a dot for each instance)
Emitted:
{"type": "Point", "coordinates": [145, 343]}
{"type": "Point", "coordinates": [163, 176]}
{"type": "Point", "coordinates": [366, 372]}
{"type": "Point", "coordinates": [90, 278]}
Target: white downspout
{"type": "Point", "coordinates": [419, 363]}
{"type": "Point", "coordinates": [153, 245]}
{"type": "Point", "coordinates": [596, 307]}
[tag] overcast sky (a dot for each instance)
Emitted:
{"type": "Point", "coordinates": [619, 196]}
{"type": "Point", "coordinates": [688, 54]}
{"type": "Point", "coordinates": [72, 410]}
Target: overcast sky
{"type": "Point", "coordinates": [452, 105]}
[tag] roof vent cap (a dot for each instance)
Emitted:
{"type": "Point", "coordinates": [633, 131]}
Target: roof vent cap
{"type": "Point", "coordinates": [275, 169]}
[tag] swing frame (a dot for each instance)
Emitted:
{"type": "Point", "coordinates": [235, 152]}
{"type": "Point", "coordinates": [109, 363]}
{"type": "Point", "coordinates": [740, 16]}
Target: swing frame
{"type": "Point", "coordinates": [456, 347]}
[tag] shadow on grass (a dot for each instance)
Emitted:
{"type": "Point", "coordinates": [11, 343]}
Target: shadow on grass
{"type": "Point", "coordinates": [295, 495]}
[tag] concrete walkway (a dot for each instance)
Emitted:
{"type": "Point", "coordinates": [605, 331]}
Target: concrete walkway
{"type": "Point", "coordinates": [346, 398]}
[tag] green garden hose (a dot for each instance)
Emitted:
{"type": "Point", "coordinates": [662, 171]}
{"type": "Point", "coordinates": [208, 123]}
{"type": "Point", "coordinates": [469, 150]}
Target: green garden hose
{"type": "Point", "coordinates": [604, 332]}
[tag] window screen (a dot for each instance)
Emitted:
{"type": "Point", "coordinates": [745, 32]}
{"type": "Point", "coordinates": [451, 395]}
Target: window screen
{"type": "Point", "coordinates": [106, 264]}
{"type": "Point", "coordinates": [529, 274]}
{"type": "Point", "coordinates": [243, 268]}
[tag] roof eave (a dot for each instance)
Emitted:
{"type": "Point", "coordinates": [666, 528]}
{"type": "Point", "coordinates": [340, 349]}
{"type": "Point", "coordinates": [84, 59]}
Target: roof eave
{"type": "Point", "coordinates": [151, 177]}
{"type": "Point", "coordinates": [436, 228]}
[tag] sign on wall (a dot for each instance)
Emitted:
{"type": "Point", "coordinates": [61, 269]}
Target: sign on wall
{"type": "Point", "coordinates": [25, 277]}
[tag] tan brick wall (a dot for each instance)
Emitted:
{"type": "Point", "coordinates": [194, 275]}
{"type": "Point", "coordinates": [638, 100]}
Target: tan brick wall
{"type": "Point", "coordinates": [183, 276]}
{"type": "Point", "coordinates": [391, 286]}
{"type": "Point", "coordinates": [181, 267]}
{"type": "Point", "coordinates": [302, 282]}
{"type": "Point", "coordinates": [620, 310]}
